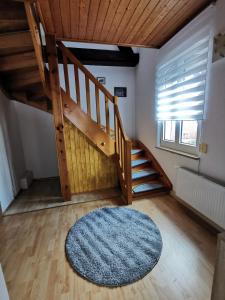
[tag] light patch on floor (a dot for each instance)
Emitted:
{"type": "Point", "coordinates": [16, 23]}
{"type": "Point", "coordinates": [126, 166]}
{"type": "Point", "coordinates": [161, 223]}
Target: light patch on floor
{"type": "Point", "coordinates": [45, 193]}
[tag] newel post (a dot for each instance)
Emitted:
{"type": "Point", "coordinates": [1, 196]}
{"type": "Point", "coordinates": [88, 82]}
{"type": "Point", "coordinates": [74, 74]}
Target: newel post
{"type": "Point", "coordinates": [57, 106]}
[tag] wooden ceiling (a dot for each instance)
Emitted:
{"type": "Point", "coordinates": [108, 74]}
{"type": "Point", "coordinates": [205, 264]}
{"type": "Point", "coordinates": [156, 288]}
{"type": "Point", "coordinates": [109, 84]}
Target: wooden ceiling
{"type": "Point", "coordinates": [147, 23]}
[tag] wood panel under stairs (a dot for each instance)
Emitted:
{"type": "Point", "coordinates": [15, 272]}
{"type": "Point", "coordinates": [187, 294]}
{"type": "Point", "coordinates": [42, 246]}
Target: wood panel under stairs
{"type": "Point", "coordinates": [147, 176]}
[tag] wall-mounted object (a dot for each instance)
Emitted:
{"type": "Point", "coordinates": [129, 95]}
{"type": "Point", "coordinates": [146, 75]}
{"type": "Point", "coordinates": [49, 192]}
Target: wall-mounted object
{"type": "Point", "coordinates": [120, 91]}
{"type": "Point", "coordinates": [219, 47]}
{"type": "Point", "coordinates": [101, 80]}
{"type": "Point", "coordinates": [203, 148]}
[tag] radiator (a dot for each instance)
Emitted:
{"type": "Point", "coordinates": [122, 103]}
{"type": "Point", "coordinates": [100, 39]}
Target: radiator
{"type": "Point", "coordinates": [203, 194]}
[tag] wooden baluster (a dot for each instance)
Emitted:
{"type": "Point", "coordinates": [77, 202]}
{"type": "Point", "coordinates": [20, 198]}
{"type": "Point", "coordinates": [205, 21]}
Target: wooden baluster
{"type": "Point", "coordinates": [77, 83]}
{"type": "Point", "coordinates": [123, 157]}
{"type": "Point", "coordinates": [88, 98]}
{"type": "Point", "coordinates": [116, 123]}
{"type": "Point", "coordinates": [128, 146]}
{"type": "Point", "coordinates": [119, 148]}
{"type": "Point", "coordinates": [66, 75]}
{"type": "Point", "coordinates": [107, 115]}
{"type": "Point", "coordinates": [97, 105]}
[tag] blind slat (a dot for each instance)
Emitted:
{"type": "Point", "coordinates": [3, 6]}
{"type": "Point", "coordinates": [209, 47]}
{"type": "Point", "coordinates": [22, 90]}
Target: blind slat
{"type": "Point", "coordinates": [180, 84]}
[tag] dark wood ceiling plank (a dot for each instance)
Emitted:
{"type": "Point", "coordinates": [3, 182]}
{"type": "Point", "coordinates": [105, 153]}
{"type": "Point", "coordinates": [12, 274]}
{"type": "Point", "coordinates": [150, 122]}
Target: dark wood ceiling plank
{"type": "Point", "coordinates": [74, 6]}
{"type": "Point", "coordinates": [118, 18]}
{"type": "Point", "coordinates": [102, 11]}
{"type": "Point", "coordinates": [125, 20]}
{"type": "Point", "coordinates": [140, 15]}
{"type": "Point", "coordinates": [179, 21]}
{"type": "Point", "coordinates": [56, 16]}
{"type": "Point", "coordinates": [109, 18]}
{"type": "Point", "coordinates": [83, 19]}
{"type": "Point", "coordinates": [160, 11]}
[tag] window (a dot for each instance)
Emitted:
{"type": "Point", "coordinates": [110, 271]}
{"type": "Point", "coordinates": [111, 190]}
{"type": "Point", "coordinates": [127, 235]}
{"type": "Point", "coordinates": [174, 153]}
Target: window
{"type": "Point", "coordinates": [180, 96]}
{"type": "Point", "coordinates": [180, 135]}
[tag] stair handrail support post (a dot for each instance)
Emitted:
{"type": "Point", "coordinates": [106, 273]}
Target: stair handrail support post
{"type": "Point", "coordinates": [58, 115]}
{"type": "Point", "coordinates": [124, 167]}
{"type": "Point", "coordinates": [128, 171]}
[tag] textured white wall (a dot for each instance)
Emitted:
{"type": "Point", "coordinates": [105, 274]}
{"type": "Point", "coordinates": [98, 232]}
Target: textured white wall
{"type": "Point", "coordinates": [212, 163]}
{"type": "Point", "coordinates": [38, 140]}
{"type": "Point", "coordinates": [12, 164]}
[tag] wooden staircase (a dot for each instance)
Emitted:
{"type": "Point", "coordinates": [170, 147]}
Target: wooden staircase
{"type": "Point", "coordinates": [147, 175]}
{"type": "Point", "coordinates": [26, 79]}
{"type": "Point", "coordinates": [19, 70]}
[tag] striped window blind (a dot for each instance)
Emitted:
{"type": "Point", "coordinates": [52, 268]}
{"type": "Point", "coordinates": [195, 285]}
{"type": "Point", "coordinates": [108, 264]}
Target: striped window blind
{"type": "Point", "coordinates": [181, 83]}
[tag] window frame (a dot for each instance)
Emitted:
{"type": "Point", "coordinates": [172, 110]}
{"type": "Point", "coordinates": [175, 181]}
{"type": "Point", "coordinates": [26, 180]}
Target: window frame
{"type": "Point", "coordinates": [177, 145]}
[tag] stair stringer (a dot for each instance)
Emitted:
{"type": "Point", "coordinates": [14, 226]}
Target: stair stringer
{"type": "Point", "coordinates": [87, 126]}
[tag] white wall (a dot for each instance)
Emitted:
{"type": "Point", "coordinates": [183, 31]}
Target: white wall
{"type": "Point", "coordinates": [115, 77]}
{"type": "Point", "coordinates": [38, 140]}
{"type": "Point", "coordinates": [12, 164]}
{"type": "Point", "coordinates": [213, 132]}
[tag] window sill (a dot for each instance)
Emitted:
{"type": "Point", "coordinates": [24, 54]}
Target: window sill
{"type": "Point", "coordinates": [192, 156]}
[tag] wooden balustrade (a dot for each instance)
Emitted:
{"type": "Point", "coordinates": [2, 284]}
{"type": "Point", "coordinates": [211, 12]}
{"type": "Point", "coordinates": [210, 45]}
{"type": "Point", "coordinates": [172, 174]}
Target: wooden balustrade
{"type": "Point", "coordinates": [88, 78]}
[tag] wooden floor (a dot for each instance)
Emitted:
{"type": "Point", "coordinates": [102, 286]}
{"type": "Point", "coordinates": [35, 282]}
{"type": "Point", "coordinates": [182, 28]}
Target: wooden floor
{"type": "Point", "coordinates": [45, 193]}
{"type": "Point", "coordinates": [35, 267]}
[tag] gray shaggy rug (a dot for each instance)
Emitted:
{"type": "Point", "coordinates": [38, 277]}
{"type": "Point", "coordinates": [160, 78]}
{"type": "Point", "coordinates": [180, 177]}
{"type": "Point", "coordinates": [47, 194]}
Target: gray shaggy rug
{"type": "Point", "coordinates": [113, 246]}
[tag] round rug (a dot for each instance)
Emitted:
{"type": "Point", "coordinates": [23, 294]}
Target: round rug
{"type": "Point", "coordinates": [113, 246]}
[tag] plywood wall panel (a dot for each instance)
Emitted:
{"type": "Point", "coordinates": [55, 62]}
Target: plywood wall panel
{"type": "Point", "coordinates": [88, 168]}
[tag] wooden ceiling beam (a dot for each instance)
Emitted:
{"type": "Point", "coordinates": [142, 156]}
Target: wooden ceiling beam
{"type": "Point", "coordinates": [126, 50]}
{"type": "Point", "coordinates": [125, 58]}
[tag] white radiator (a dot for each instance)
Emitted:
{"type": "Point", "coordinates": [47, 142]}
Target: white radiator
{"type": "Point", "coordinates": [204, 195]}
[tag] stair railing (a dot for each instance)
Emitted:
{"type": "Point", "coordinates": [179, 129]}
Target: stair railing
{"type": "Point", "coordinates": [110, 115]}
{"type": "Point", "coordinates": [109, 119]}
{"type": "Point", "coordinates": [103, 118]}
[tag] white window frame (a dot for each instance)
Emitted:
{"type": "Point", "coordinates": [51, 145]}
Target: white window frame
{"type": "Point", "coordinates": [177, 145]}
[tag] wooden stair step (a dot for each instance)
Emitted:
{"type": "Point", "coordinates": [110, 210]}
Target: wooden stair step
{"type": "Point", "coordinates": [12, 16]}
{"type": "Point", "coordinates": [136, 151]}
{"type": "Point", "coordinates": [18, 61]}
{"type": "Point", "coordinates": [143, 173]}
{"type": "Point", "coordinates": [138, 162]}
{"type": "Point", "coordinates": [147, 187]}
{"type": "Point", "coordinates": [16, 40]}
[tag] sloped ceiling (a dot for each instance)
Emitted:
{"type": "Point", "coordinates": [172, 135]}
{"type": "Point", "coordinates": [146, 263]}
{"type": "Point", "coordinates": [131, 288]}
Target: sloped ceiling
{"type": "Point", "coordinates": [147, 23]}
